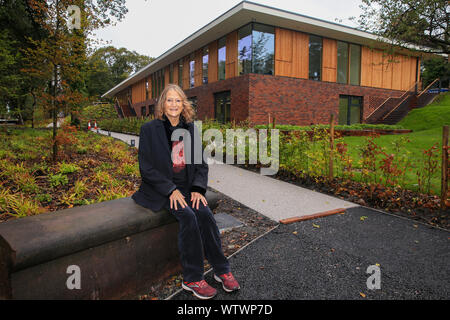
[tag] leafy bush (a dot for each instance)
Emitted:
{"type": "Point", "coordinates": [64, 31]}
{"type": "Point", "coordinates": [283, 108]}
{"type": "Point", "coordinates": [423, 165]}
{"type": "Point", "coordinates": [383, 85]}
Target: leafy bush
{"type": "Point", "coordinates": [58, 179]}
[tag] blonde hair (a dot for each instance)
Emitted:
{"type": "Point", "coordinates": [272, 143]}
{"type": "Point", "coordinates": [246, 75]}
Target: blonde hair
{"type": "Point", "coordinates": [188, 112]}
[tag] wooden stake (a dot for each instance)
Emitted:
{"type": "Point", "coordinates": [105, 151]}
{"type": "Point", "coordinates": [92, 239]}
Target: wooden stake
{"type": "Point", "coordinates": [330, 171]}
{"type": "Point", "coordinates": [444, 180]}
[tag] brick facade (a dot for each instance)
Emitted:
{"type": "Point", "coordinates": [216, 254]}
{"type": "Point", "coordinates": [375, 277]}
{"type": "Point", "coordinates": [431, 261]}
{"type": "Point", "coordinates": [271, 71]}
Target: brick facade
{"type": "Point", "coordinates": [290, 100]}
{"type": "Point", "coordinates": [304, 102]}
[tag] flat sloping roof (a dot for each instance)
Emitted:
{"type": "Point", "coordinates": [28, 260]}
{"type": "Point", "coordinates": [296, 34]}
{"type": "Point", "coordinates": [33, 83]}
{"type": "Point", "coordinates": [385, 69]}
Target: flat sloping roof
{"type": "Point", "coordinates": [239, 15]}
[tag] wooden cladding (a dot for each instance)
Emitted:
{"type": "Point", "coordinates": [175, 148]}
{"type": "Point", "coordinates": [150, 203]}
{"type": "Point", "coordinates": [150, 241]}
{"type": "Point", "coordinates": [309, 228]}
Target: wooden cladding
{"type": "Point", "coordinates": [329, 60]}
{"type": "Point", "coordinates": [231, 65]}
{"type": "Point", "coordinates": [138, 91]}
{"type": "Point", "coordinates": [213, 67]}
{"type": "Point", "coordinates": [380, 70]}
{"type": "Point", "coordinates": [291, 53]}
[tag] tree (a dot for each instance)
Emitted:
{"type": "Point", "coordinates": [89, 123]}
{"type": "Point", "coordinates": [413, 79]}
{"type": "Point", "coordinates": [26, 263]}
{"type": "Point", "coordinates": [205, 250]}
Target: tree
{"type": "Point", "coordinates": [108, 66]}
{"type": "Point", "coordinates": [423, 23]}
{"type": "Point", "coordinates": [59, 58]}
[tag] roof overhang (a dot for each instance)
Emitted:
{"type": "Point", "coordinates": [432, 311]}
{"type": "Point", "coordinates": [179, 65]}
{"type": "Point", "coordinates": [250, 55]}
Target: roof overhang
{"type": "Point", "coordinates": [240, 15]}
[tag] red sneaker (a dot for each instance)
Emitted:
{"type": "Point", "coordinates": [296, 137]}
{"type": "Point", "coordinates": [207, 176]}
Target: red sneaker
{"type": "Point", "coordinates": [201, 289]}
{"type": "Point", "coordinates": [228, 281]}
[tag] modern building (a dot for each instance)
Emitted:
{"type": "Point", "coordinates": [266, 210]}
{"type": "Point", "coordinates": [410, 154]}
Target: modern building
{"type": "Point", "coordinates": [256, 62]}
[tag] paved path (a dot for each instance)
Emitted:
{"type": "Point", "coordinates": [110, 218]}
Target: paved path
{"type": "Point", "coordinates": [273, 198]}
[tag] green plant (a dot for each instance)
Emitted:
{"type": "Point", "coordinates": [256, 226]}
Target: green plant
{"type": "Point", "coordinates": [43, 198]}
{"type": "Point", "coordinates": [58, 179]}
{"type": "Point", "coordinates": [66, 168]}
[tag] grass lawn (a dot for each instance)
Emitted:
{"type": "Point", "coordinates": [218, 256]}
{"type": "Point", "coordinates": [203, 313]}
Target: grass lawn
{"type": "Point", "coordinates": [426, 124]}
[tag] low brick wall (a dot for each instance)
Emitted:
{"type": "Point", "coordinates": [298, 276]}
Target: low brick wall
{"type": "Point", "coordinates": [120, 248]}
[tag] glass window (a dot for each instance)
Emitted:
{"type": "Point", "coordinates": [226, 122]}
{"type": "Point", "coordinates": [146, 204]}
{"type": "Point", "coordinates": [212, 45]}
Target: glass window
{"type": "Point", "coordinates": [222, 107]}
{"type": "Point", "coordinates": [146, 88]}
{"type": "Point", "coordinates": [342, 62]}
{"type": "Point", "coordinates": [180, 73]}
{"type": "Point", "coordinates": [191, 71]}
{"type": "Point", "coordinates": [315, 57]}
{"type": "Point", "coordinates": [153, 86]}
{"type": "Point", "coordinates": [222, 52]}
{"type": "Point", "coordinates": [263, 49]}
{"type": "Point", "coordinates": [193, 101]}
{"type": "Point", "coordinates": [350, 108]}
{"type": "Point", "coordinates": [205, 60]}
{"type": "Point", "coordinates": [245, 49]}
{"type": "Point", "coordinates": [355, 64]}
{"type": "Point", "coordinates": [151, 110]}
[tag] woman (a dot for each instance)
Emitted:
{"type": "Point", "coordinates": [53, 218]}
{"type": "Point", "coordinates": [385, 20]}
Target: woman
{"type": "Point", "coordinates": [171, 182]}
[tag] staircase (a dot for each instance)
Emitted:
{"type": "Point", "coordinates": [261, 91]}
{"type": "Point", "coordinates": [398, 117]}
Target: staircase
{"type": "Point", "coordinates": [392, 110]}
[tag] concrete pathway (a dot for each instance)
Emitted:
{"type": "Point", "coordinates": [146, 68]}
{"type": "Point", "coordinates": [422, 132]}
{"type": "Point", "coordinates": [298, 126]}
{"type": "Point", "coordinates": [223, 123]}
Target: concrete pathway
{"type": "Point", "coordinates": [273, 198]}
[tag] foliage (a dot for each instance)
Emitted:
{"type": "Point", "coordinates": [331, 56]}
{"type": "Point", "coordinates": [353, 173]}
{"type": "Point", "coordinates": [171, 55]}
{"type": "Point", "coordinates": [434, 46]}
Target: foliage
{"type": "Point", "coordinates": [403, 22]}
{"type": "Point", "coordinates": [108, 66]}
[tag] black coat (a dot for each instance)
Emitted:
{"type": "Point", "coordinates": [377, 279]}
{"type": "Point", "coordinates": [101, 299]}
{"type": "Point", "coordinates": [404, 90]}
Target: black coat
{"type": "Point", "coordinates": [155, 166]}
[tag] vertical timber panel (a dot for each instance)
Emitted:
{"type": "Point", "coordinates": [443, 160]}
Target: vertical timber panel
{"type": "Point", "coordinates": [300, 55]}
{"type": "Point", "coordinates": [231, 55]}
{"type": "Point", "coordinates": [366, 66]}
{"type": "Point", "coordinates": [198, 68]}
{"type": "Point", "coordinates": [329, 60]}
{"type": "Point", "coordinates": [213, 69]}
{"type": "Point", "coordinates": [387, 71]}
{"type": "Point", "coordinates": [283, 52]}
{"type": "Point", "coordinates": [377, 71]}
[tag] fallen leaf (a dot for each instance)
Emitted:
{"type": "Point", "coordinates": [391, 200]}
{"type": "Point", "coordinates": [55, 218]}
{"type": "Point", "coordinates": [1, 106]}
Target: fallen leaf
{"type": "Point", "coordinates": [316, 225]}
{"type": "Point", "coordinates": [295, 232]}
{"type": "Point", "coordinates": [362, 294]}
{"type": "Point", "coordinates": [363, 218]}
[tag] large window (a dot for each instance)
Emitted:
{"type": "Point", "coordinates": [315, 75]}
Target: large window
{"type": "Point", "coordinates": [222, 106]}
{"type": "Point", "coordinates": [245, 49]}
{"type": "Point", "coordinates": [350, 109]}
{"type": "Point", "coordinates": [180, 73]}
{"type": "Point", "coordinates": [348, 63]}
{"type": "Point", "coordinates": [342, 62]}
{"type": "Point", "coordinates": [191, 71]}
{"type": "Point", "coordinates": [205, 60]}
{"type": "Point", "coordinates": [355, 64]}
{"type": "Point", "coordinates": [315, 57]}
{"type": "Point", "coordinates": [256, 48]}
{"type": "Point", "coordinates": [222, 54]}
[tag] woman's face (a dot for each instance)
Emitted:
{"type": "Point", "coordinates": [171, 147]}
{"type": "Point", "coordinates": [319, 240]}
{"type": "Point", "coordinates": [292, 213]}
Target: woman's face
{"type": "Point", "coordinates": [173, 106]}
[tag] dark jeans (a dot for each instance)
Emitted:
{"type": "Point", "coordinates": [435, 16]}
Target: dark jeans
{"type": "Point", "coordinates": [198, 233]}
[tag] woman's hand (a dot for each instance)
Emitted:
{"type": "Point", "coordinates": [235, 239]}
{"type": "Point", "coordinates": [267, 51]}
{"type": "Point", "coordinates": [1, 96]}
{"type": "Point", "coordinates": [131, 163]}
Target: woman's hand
{"type": "Point", "coordinates": [176, 197]}
{"type": "Point", "coordinates": [196, 198]}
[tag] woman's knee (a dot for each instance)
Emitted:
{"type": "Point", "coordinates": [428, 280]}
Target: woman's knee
{"type": "Point", "coordinates": [204, 212]}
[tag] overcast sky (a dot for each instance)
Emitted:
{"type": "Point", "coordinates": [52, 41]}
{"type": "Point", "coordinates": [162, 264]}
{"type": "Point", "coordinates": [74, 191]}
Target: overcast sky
{"type": "Point", "coordinates": [151, 27]}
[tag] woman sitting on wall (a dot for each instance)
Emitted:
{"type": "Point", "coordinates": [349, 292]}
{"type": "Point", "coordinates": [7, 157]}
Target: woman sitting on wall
{"type": "Point", "coordinates": [171, 181]}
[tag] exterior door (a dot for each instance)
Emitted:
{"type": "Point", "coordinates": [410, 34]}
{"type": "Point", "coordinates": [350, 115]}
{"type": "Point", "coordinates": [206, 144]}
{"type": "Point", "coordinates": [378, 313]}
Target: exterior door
{"type": "Point", "coordinates": [222, 106]}
{"type": "Point", "coordinates": [350, 109]}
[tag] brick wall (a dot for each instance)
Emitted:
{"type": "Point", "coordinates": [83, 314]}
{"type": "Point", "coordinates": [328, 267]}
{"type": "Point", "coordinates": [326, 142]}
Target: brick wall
{"type": "Point", "coordinates": [238, 87]}
{"type": "Point", "coordinates": [302, 102]}
{"type": "Point", "coordinates": [290, 100]}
